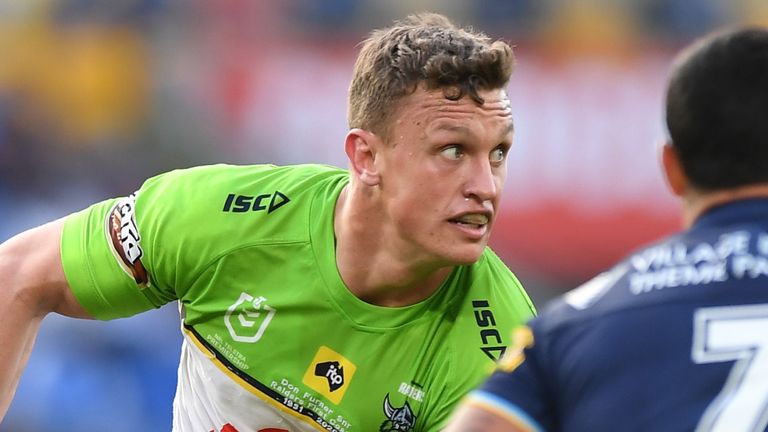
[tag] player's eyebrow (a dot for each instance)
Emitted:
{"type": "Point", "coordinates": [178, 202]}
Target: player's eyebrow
{"type": "Point", "coordinates": [450, 127]}
{"type": "Point", "coordinates": [463, 130]}
{"type": "Point", "coordinates": [508, 130]}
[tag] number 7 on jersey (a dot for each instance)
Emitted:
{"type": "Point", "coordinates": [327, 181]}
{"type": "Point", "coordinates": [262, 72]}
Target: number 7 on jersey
{"type": "Point", "coordinates": [740, 334]}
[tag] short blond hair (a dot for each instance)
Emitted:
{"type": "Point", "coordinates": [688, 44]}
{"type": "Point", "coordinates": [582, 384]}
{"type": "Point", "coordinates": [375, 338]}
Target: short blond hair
{"type": "Point", "coordinates": [424, 48]}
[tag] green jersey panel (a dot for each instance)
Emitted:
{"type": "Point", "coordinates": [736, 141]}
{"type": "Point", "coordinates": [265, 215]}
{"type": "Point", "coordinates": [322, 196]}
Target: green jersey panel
{"type": "Point", "coordinates": [250, 254]}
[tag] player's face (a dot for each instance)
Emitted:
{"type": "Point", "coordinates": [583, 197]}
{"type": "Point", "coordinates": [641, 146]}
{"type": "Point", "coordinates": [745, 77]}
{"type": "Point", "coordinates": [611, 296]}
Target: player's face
{"type": "Point", "coordinates": [443, 171]}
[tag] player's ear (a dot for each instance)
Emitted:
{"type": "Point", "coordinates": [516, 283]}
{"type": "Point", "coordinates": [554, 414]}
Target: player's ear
{"type": "Point", "coordinates": [360, 146]}
{"type": "Point", "coordinates": [673, 170]}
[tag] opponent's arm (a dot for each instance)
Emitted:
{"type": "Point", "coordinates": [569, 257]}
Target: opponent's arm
{"type": "Point", "coordinates": [469, 418]}
{"type": "Point", "coordinates": [32, 284]}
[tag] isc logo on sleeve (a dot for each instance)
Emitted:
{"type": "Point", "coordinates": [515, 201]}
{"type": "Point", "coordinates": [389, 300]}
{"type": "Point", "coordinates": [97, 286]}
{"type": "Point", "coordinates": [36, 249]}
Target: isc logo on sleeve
{"type": "Point", "coordinates": [329, 374]}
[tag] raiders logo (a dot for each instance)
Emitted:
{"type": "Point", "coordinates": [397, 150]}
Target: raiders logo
{"type": "Point", "coordinates": [398, 419]}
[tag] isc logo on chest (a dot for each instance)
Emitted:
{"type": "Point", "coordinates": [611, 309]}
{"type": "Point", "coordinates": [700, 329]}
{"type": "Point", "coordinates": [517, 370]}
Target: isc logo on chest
{"type": "Point", "coordinates": [493, 346]}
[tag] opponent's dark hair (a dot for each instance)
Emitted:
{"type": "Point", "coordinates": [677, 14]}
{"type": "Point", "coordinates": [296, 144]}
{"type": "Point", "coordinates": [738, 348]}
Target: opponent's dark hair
{"type": "Point", "coordinates": [717, 109]}
{"type": "Point", "coordinates": [424, 48]}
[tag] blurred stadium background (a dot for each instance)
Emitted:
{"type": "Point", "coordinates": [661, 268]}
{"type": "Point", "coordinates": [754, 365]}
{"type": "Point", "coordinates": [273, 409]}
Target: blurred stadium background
{"type": "Point", "coordinates": [96, 96]}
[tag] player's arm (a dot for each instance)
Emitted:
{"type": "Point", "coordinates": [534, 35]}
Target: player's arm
{"type": "Point", "coordinates": [471, 418]}
{"type": "Point", "coordinates": [32, 284]}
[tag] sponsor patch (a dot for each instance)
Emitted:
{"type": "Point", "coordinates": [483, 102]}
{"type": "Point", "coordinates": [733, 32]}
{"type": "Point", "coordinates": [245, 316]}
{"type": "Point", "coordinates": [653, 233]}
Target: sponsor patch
{"type": "Point", "coordinates": [125, 241]}
{"type": "Point", "coordinates": [329, 374]}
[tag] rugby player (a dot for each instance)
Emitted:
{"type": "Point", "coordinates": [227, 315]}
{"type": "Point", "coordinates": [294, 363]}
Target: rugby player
{"type": "Point", "coordinates": [312, 297]}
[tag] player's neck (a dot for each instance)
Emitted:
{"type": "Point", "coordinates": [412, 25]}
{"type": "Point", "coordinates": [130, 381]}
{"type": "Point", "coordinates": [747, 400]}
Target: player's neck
{"type": "Point", "coordinates": [695, 203]}
{"type": "Point", "coordinates": [376, 285]}
{"type": "Point", "coordinates": [374, 269]}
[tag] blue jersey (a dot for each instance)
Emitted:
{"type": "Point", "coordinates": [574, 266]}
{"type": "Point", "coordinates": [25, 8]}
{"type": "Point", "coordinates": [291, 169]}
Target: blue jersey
{"type": "Point", "coordinates": [673, 338]}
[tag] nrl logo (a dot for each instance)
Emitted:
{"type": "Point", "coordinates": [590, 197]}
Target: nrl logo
{"type": "Point", "coordinates": [398, 419]}
{"type": "Point", "coordinates": [248, 318]}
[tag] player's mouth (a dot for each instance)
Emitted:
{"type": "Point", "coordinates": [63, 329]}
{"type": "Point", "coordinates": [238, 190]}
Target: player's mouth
{"type": "Point", "coordinates": [474, 224]}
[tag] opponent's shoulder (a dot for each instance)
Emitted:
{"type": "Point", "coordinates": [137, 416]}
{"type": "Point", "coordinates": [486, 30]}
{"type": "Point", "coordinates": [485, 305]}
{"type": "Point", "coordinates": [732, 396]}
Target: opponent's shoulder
{"type": "Point", "coordinates": [609, 292]}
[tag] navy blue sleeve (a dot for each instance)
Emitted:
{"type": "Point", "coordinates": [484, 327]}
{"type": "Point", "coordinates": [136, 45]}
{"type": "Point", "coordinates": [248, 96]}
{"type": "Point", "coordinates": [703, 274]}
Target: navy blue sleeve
{"type": "Point", "coordinates": [520, 393]}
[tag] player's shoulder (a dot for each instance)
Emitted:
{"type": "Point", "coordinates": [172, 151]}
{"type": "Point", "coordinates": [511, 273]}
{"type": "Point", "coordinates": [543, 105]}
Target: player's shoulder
{"type": "Point", "coordinates": [489, 272]}
{"type": "Point", "coordinates": [244, 202]}
{"type": "Point", "coordinates": [237, 188]}
{"type": "Point", "coordinates": [207, 176]}
{"type": "Point", "coordinates": [723, 254]}
{"type": "Point", "coordinates": [490, 261]}
{"type": "Point", "coordinates": [491, 278]}
{"type": "Point", "coordinates": [609, 292]}
{"type": "Point", "coordinates": [649, 269]}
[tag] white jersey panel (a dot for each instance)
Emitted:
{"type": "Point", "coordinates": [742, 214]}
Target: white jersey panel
{"type": "Point", "coordinates": [207, 399]}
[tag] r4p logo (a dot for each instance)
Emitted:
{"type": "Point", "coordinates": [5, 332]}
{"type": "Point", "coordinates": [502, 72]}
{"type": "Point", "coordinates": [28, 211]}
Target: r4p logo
{"type": "Point", "coordinates": [248, 318]}
{"type": "Point", "coordinates": [333, 372]}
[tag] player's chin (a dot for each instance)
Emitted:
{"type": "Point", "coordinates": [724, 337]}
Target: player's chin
{"type": "Point", "coordinates": [466, 254]}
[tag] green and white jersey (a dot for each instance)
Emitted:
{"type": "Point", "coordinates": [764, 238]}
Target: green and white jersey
{"type": "Point", "coordinates": [273, 340]}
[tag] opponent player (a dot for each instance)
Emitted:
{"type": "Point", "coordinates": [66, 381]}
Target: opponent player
{"type": "Point", "coordinates": [675, 337]}
{"type": "Point", "coordinates": [312, 298]}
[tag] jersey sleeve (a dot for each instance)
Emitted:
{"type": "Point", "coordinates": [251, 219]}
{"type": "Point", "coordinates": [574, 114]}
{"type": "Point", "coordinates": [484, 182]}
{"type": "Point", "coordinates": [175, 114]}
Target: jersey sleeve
{"type": "Point", "coordinates": [128, 255]}
{"type": "Point", "coordinates": [518, 390]}
{"type": "Point", "coordinates": [112, 252]}
{"type": "Point", "coordinates": [98, 268]}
